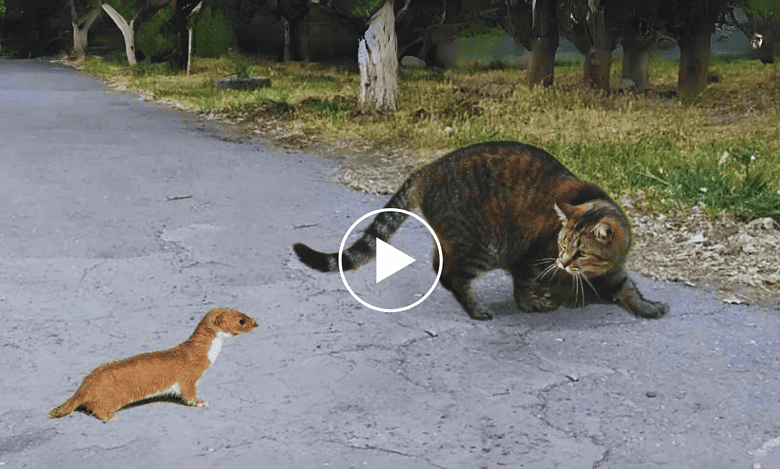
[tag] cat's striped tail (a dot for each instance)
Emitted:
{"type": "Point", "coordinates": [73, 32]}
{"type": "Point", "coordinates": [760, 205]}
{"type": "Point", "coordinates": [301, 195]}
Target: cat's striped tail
{"type": "Point", "coordinates": [66, 408]}
{"type": "Point", "coordinates": [383, 226]}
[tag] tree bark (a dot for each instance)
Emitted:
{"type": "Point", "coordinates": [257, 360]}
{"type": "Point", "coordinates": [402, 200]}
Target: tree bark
{"type": "Point", "coordinates": [694, 61]}
{"type": "Point", "coordinates": [544, 43]}
{"type": "Point", "coordinates": [287, 42]}
{"type": "Point", "coordinates": [127, 31]}
{"type": "Point", "coordinates": [517, 23]}
{"type": "Point", "coordinates": [178, 27]}
{"type": "Point", "coordinates": [636, 61]}
{"type": "Point", "coordinates": [378, 62]}
{"type": "Point", "coordinates": [596, 66]}
{"type": "Point", "coordinates": [80, 33]}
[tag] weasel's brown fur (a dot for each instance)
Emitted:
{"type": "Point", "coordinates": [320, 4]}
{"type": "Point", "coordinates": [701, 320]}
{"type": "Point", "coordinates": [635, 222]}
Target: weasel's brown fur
{"type": "Point", "coordinates": [174, 372]}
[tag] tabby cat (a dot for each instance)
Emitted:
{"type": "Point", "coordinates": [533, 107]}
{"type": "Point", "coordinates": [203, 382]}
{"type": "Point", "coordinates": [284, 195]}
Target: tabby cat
{"type": "Point", "coordinates": [515, 207]}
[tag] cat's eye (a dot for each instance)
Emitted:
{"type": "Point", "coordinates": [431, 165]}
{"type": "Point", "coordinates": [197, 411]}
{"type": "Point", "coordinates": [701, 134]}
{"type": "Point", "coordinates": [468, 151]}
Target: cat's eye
{"type": "Point", "coordinates": [241, 322]}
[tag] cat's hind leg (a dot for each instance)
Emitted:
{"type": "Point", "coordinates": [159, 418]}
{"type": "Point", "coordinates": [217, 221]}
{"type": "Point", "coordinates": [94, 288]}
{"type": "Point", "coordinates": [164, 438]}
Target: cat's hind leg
{"type": "Point", "coordinates": [457, 274]}
{"type": "Point", "coordinates": [460, 286]}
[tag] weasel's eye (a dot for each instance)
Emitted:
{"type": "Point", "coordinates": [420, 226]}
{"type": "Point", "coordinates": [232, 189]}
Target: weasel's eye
{"type": "Point", "coordinates": [241, 322]}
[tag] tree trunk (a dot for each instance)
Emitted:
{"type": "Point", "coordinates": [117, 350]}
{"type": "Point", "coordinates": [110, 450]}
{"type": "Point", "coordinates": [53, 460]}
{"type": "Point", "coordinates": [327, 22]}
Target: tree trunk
{"type": "Point", "coordinates": [287, 47]}
{"type": "Point", "coordinates": [127, 31]}
{"type": "Point", "coordinates": [595, 67]}
{"type": "Point", "coordinates": [694, 62]}
{"type": "Point", "coordinates": [544, 43]}
{"type": "Point", "coordinates": [766, 52]}
{"type": "Point", "coordinates": [80, 33]}
{"type": "Point", "coordinates": [517, 23]}
{"type": "Point", "coordinates": [378, 62]}
{"type": "Point", "coordinates": [178, 27]}
{"type": "Point", "coordinates": [636, 61]}
{"type": "Point", "coordinates": [541, 67]}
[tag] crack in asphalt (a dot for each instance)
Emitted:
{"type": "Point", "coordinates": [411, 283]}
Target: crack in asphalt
{"type": "Point", "coordinates": [604, 458]}
{"type": "Point", "coordinates": [596, 440]}
{"type": "Point", "coordinates": [389, 451]}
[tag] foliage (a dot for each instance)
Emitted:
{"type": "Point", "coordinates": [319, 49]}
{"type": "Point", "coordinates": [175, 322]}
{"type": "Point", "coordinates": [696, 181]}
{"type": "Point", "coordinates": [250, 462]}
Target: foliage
{"type": "Point", "coordinates": [766, 8]}
{"type": "Point", "coordinates": [151, 41]}
{"type": "Point", "coordinates": [478, 29]}
{"type": "Point", "coordinates": [242, 64]}
{"type": "Point", "coordinates": [126, 8]}
{"type": "Point", "coordinates": [366, 7]}
{"type": "Point", "coordinates": [213, 34]}
{"type": "Point", "coordinates": [718, 187]}
{"type": "Point", "coordinates": [2, 14]}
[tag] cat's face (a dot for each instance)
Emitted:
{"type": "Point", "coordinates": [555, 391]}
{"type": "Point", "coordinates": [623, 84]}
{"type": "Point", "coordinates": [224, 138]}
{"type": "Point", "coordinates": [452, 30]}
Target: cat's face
{"type": "Point", "coordinates": [593, 239]}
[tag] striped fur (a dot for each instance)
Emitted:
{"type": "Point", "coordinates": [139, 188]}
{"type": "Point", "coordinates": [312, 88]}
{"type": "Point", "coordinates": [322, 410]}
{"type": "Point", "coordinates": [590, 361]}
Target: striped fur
{"type": "Point", "coordinates": [506, 205]}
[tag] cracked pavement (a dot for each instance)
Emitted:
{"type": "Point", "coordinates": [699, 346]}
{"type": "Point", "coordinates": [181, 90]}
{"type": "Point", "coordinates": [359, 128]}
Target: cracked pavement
{"type": "Point", "coordinates": [124, 221]}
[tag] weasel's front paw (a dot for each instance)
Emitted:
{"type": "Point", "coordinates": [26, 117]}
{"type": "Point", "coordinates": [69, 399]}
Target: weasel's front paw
{"type": "Point", "coordinates": [196, 402]}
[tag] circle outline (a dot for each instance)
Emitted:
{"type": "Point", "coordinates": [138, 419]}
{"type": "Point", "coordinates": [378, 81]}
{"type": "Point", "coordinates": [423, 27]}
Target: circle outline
{"type": "Point", "coordinates": [344, 278]}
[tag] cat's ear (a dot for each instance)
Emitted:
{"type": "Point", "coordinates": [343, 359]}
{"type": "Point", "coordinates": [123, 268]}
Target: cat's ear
{"type": "Point", "coordinates": [603, 232]}
{"type": "Point", "coordinates": [563, 211]}
{"type": "Point", "coordinates": [562, 216]}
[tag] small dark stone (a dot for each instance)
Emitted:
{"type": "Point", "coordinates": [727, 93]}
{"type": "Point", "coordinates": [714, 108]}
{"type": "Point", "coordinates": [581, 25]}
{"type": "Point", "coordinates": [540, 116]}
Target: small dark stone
{"type": "Point", "coordinates": [650, 394]}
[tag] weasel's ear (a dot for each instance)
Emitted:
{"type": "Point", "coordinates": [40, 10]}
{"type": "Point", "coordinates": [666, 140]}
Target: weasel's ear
{"type": "Point", "coordinates": [563, 211]}
{"type": "Point", "coordinates": [219, 319]}
{"type": "Point", "coordinates": [603, 232]}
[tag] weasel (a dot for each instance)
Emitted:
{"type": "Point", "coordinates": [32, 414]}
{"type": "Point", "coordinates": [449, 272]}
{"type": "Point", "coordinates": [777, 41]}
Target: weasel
{"type": "Point", "coordinates": [172, 372]}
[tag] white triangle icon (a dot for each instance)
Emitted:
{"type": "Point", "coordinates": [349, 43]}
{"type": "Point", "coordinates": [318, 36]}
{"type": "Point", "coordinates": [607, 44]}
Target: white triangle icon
{"type": "Point", "coordinates": [389, 260]}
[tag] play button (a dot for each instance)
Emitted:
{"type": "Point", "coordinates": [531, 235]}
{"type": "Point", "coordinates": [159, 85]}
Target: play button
{"type": "Point", "coordinates": [389, 260]}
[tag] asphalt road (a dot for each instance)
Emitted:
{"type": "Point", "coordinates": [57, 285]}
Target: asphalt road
{"type": "Point", "coordinates": [122, 222]}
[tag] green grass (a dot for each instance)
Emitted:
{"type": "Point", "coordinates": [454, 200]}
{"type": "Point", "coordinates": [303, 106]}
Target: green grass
{"type": "Point", "coordinates": [668, 148]}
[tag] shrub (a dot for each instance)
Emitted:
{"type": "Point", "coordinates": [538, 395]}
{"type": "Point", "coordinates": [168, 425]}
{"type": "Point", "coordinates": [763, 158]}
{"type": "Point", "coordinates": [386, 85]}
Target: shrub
{"type": "Point", "coordinates": [213, 34]}
{"type": "Point", "coordinates": [152, 43]}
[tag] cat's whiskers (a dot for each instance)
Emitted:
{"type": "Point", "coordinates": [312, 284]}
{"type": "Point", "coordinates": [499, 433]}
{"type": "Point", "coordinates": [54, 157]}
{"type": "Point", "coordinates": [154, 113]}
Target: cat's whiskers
{"type": "Point", "coordinates": [578, 287]}
{"type": "Point", "coordinates": [550, 270]}
{"type": "Point", "coordinates": [591, 287]}
{"type": "Point", "coordinates": [545, 260]}
{"type": "Point", "coordinates": [580, 279]}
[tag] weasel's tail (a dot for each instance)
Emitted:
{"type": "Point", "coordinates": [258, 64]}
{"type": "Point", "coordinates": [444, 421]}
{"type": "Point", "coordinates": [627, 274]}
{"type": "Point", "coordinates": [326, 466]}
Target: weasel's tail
{"type": "Point", "coordinates": [66, 408]}
{"type": "Point", "coordinates": [364, 249]}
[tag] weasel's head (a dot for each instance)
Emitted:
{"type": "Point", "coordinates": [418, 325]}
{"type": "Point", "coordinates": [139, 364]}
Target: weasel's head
{"type": "Point", "coordinates": [231, 322]}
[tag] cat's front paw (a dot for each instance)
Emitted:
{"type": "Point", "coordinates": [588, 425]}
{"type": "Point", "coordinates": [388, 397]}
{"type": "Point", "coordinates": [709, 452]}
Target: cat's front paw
{"type": "Point", "coordinates": [481, 315]}
{"type": "Point", "coordinates": [651, 309]}
{"type": "Point", "coordinates": [535, 300]}
{"type": "Point", "coordinates": [543, 304]}
{"type": "Point", "coordinates": [632, 301]}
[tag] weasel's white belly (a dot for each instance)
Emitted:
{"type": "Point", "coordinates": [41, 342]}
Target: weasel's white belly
{"type": "Point", "coordinates": [172, 390]}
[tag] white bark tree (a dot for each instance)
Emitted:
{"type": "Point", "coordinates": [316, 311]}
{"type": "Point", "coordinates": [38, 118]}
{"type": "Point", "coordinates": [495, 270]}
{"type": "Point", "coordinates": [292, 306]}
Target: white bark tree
{"type": "Point", "coordinates": [378, 62]}
{"type": "Point", "coordinates": [143, 12]}
{"type": "Point", "coordinates": [127, 31]}
{"type": "Point", "coordinates": [80, 32]}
